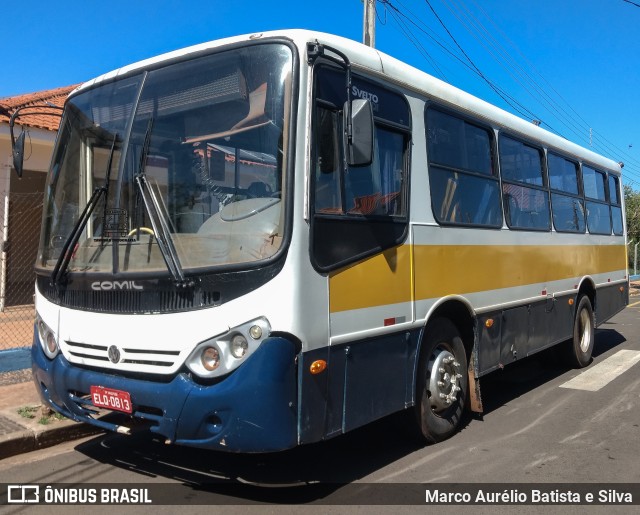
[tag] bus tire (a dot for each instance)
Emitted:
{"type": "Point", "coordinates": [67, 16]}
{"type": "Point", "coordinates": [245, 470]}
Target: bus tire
{"type": "Point", "coordinates": [580, 347]}
{"type": "Point", "coordinates": [442, 382]}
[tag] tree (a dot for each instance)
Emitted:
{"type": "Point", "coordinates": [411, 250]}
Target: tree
{"type": "Point", "coordinates": [632, 204]}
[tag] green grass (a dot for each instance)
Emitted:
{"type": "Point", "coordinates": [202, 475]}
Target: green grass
{"type": "Point", "coordinates": [46, 416]}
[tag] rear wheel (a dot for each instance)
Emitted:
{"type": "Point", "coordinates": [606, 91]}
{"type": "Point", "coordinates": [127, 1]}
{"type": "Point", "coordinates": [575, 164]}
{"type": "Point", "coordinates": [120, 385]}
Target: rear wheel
{"type": "Point", "coordinates": [580, 347]}
{"type": "Point", "coordinates": [442, 388]}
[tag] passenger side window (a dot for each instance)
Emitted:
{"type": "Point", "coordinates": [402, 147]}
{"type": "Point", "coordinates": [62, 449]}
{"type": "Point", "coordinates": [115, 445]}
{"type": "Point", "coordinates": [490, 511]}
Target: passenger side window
{"type": "Point", "coordinates": [616, 209]}
{"type": "Point", "coordinates": [598, 216]}
{"type": "Point", "coordinates": [525, 198]}
{"type": "Point", "coordinates": [464, 186]}
{"type": "Point", "coordinates": [567, 206]}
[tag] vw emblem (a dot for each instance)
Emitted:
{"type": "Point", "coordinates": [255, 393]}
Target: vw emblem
{"type": "Point", "coordinates": [114, 354]}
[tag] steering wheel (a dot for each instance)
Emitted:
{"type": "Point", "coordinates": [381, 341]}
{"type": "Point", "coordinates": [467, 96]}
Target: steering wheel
{"type": "Point", "coordinates": [141, 229]}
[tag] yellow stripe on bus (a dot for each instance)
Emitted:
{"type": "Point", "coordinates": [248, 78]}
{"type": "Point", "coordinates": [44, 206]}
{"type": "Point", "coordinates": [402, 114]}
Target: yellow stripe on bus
{"type": "Point", "coordinates": [460, 269]}
{"type": "Point", "coordinates": [382, 279]}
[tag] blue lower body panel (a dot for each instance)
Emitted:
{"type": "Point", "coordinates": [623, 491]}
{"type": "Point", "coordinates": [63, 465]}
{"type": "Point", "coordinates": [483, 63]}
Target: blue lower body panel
{"type": "Point", "coordinates": [251, 410]}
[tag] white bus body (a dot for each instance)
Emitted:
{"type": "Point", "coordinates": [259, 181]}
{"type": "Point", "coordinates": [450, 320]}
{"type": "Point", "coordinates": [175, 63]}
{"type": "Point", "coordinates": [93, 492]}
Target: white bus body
{"type": "Point", "coordinates": [236, 286]}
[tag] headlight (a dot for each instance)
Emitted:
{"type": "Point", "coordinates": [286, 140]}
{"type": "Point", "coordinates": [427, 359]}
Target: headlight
{"type": "Point", "coordinates": [210, 358]}
{"type": "Point", "coordinates": [239, 346]}
{"type": "Point", "coordinates": [222, 354]}
{"type": "Point", "coordinates": [48, 339]}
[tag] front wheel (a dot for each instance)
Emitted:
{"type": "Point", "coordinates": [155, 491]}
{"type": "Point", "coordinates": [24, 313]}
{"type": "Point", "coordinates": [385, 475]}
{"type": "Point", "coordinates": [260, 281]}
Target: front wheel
{"type": "Point", "coordinates": [580, 347]}
{"type": "Point", "coordinates": [442, 384]}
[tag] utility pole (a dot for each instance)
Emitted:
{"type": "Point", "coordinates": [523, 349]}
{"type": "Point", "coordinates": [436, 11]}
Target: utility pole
{"type": "Point", "coordinates": [369, 23]}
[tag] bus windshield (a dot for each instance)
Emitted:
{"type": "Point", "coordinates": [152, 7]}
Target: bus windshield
{"type": "Point", "coordinates": [179, 165]}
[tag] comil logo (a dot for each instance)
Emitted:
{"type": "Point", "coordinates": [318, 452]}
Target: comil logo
{"type": "Point", "coordinates": [115, 285]}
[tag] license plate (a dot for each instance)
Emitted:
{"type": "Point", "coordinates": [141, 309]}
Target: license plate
{"type": "Point", "coordinates": [111, 399]}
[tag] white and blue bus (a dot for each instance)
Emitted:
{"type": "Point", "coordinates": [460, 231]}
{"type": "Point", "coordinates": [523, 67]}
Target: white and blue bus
{"type": "Point", "coordinates": [273, 239]}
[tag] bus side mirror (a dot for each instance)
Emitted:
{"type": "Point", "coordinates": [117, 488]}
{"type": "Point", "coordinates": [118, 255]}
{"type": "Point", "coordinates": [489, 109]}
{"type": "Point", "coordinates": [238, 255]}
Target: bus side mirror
{"type": "Point", "coordinates": [18, 153]}
{"type": "Point", "coordinates": [17, 144]}
{"type": "Point", "coordinates": [359, 147]}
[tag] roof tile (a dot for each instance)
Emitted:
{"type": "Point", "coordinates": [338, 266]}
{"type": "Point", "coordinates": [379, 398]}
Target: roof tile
{"type": "Point", "coordinates": [56, 97]}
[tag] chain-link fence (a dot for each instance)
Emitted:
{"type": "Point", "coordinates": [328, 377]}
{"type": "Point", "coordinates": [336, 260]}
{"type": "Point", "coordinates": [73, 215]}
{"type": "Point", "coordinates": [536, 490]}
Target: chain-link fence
{"type": "Point", "coordinates": [633, 248]}
{"type": "Point", "coordinates": [20, 218]}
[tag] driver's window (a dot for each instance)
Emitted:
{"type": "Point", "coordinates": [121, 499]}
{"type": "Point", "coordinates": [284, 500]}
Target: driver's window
{"type": "Point", "coordinates": [357, 211]}
{"type": "Point", "coordinates": [328, 191]}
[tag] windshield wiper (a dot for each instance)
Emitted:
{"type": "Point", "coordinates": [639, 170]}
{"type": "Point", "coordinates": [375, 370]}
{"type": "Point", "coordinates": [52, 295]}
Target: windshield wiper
{"type": "Point", "coordinates": [160, 229]}
{"type": "Point", "coordinates": [158, 220]}
{"type": "Point", "coordinates": [69, 245]}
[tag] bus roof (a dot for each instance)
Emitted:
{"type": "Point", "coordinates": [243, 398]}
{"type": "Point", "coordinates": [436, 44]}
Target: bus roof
{"type": "Point", "coordinates": [394, 70]}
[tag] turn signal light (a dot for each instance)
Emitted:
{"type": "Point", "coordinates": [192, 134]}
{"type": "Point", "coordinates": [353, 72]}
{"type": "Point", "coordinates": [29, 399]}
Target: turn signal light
{"type": "Point", "coordinates": [318, 366]}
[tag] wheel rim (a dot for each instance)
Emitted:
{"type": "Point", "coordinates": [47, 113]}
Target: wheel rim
{"type": "Point", "coordinates": [585, 330]}
{"type": "Point", "coordinates": [444, 379]}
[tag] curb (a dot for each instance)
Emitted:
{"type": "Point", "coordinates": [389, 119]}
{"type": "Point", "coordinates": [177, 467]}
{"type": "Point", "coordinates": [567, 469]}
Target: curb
{"type": "Point", "coordinates": [37, 436]}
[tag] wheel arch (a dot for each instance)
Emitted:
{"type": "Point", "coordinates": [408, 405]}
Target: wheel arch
{"type": "Point", "coordinates": [462, 315]}
{"type": "Point", "coordinates": [443, 372]}
{"type": "Point", "coordinates": [588, 287]}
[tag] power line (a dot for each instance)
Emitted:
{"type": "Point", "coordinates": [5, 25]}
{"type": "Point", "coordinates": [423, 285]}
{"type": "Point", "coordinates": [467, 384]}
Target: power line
{"type": "Point", "coordinates": [531, 85]}
{"type": "Point", "coordinates": [512, 102]}
{"type": "Point", "coordinates": [416, 42]}
{"type": "Point", "coordinates": [568, 116]}
{"type": "Point", "coordinates": [510, 65]}
{"type": "Point", "coordinates": [607, 146]}
{"type": "Point", "coordinates": [478, 71]}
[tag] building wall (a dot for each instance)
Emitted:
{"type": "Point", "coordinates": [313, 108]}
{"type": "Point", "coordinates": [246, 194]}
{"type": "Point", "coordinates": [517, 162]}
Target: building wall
{"type": "Point", "coordinates": [23, 218]}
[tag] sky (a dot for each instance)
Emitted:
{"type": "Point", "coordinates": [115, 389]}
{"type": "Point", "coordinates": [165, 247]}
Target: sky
{"type": "Point", "coordinates": [572, 64]}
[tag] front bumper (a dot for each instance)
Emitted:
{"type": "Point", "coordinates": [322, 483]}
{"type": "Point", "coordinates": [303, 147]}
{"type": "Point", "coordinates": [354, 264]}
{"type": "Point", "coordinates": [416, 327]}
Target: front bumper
{"type": "Point", "coordinates": [251, 410]}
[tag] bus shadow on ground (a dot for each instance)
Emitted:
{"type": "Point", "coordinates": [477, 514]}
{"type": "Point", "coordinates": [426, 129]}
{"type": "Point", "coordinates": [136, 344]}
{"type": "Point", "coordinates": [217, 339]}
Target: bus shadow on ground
{"type": "Point", "coordinates": [306, 474]}
{"type": "Point", "coordinates": [320, 472]}
{"type": "Point", "coordinates": [520, 377]}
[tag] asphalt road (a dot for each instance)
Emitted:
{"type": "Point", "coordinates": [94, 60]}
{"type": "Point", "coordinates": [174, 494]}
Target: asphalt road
{"type": "Point", "coordinates": [536, 429]}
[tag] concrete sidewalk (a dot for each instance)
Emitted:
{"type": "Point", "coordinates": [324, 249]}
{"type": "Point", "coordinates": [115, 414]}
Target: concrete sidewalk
{"type": "Point", "coordinates": [19, 400]}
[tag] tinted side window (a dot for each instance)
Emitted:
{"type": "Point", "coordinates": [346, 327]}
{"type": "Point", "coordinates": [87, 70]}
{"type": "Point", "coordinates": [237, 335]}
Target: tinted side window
{"type": "Point", "coordinates": [464, 186]}
{"type": "Point", "coordinates": [566, 205]}
{"type": "Point", "coordinates": [526, 200]}
{"type": "Point", "coordinates": [568, 213]}
{"type": "Point", "coordinates": [594, 183]}
{"type": "Point", "coordinates": [598, 213]}
{"type": "Point", "coordinates": [377, 189]}
{"type": "Point", "coordinates": [614, 190]}
{"type": "Point", "coordinates": [371, 190]}
{"type": "Point", "coordinates": [357, 211]}
{"type": "Point", "coordinates": [328, 184]}
{"type": "Point", "coordinates": [616, 209]}
{"type": "Point", "coordinates": [458, 144]}
{"type": "Point", "coordinates": [598, 218]}
{"type": "Point", "coordinates": [520, 162]}
{"type": "Point", "coordinates": [563, 174]}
